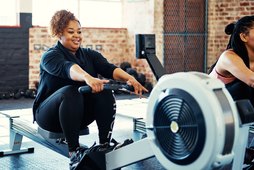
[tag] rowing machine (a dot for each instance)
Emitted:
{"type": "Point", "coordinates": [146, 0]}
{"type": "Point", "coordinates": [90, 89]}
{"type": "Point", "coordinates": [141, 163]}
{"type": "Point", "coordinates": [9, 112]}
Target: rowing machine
{"type": "Point", "coordinates": [192, 123]}
{"type": "Point", "coordinates": [19, 127]}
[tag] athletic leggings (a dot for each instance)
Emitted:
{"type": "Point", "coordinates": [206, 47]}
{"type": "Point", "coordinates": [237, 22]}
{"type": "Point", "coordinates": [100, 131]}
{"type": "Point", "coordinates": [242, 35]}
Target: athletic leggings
{"type": "Point", "coordinates": [239, 90]}
{"type": "Point", "coordinates": [68, 111]}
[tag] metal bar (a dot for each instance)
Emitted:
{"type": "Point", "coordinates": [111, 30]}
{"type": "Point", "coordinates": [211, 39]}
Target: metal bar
{"type": "Point", "coordinates": [129, 154]}
{"type": "Point", "coordinates": [20, 128]}
{"type": "Point", "coordinates": [186, 34]}
{"type": "Point", "coordinates": [12, 152]}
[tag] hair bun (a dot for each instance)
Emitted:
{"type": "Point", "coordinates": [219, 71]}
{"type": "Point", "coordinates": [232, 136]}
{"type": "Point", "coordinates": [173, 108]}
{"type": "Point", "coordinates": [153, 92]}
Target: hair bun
{"type": "Point", "coordinates": [229, 28]}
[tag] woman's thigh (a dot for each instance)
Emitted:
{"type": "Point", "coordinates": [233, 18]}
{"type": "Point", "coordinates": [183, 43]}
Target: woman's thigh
{"type": "Point", "coordinates": [66, 99]}
{"type": "Point", "coordinates": [239, 90]}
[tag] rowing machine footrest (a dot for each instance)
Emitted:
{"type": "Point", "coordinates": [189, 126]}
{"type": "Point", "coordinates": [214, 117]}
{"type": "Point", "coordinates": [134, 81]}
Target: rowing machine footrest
{"type": "Point", "coordinates": [58, 135]}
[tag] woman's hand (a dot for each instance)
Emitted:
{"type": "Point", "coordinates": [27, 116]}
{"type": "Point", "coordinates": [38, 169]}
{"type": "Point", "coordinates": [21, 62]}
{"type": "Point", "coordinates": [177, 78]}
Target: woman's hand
{"type": "Point", "coordinates": [96, 84]}
{"type": "Point", "coordinates": [138, 88]}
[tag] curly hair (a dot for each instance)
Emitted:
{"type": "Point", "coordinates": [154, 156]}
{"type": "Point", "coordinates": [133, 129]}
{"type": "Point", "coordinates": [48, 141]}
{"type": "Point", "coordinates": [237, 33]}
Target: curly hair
{"type": "Point", "coordinates": [60, 20]}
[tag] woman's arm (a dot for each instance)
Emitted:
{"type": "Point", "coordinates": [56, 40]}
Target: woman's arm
{"type": "Point", "coordinates": [119, 74]}
{"type": "Point", "coordinates": [230, 62]}
{"type": "Point", "coordinates": [78, 74]}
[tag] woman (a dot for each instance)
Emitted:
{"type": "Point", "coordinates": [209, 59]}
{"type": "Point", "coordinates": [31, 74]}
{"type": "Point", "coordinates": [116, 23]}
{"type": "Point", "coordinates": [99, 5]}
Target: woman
{"type": "Point", "coordinates": [235, 66]}
{"type": "Point", "coordinates": [58, 106]}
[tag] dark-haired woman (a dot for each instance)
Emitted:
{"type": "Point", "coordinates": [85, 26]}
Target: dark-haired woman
{"type": "Point", "coordinates": [235, 66]}
{"type": "Point", "coordinates": [58, 106]}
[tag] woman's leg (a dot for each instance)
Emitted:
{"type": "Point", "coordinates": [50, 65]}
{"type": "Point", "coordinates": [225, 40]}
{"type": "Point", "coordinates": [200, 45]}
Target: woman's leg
{"type": "Point", "coordinates": [63, 111]}
{"type": "Point", "coordinates": [239, 90]}
{"type": "Point", "coordinates": [104, 109]}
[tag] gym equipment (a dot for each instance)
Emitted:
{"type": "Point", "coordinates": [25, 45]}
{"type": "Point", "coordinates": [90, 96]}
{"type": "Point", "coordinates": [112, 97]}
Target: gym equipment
{"type": "Point", "coordinates": [112, 85]}
{"type": "Point", "coordinates": [17, 94]}
{"type": "Point", "coordinates": [20, 127]}
{"type": "Point", "coordinates": [132, 72]}
{"type": "Point", "coordinates": [125, 65]}
{"type": "Point", "coordinates": [148, 86]}
{"type": "Point", "coordinates": [192, 123]}
{"type": "Point", "coordinates": [145, 49]}
{"type": "Point", "coordinates": [141, 79]}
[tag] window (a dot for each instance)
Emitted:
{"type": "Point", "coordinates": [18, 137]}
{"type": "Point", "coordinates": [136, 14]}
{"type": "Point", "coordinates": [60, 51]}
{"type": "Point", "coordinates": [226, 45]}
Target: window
{"type": "Point", "coordinates": [91, 13]}
{"type": "Point", "coordinates": [43, 10]}
{"type": "Point", "coordinates": [99, 13]}
{"type": "Point", "coordinates": [9, 13]}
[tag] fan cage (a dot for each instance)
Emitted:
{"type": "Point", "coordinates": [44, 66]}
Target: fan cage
{"type": "Point", "coordinates": [179, 126]}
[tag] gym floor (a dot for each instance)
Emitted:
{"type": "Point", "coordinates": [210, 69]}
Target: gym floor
{"type": "Point", "coordinates": [44, 158]}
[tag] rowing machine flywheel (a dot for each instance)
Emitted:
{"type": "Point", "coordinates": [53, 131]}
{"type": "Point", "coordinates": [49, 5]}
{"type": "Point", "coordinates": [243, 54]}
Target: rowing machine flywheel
{"type": "Point", "coordinates": [191, 122]}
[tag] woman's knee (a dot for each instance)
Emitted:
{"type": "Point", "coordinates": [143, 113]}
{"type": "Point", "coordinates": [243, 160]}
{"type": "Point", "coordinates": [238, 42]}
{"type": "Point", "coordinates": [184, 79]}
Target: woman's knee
{"type": "Point", "coordinates": [239, 90]}
{"type": "Point", "coordinates": [105, 94]}
{"type": "Point", "coordinates": [70, 98]}
{"type": "Point", "coordinates": [70, 91]}
{"type": "Point", "coordinates": [105, 102]}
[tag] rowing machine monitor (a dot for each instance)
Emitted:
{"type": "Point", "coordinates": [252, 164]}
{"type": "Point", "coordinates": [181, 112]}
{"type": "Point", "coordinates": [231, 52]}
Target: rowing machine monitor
{"type": "Point", "coordinates": [146, 49]}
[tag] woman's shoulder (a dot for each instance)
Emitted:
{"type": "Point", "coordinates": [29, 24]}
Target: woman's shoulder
{"type": "Point", "coordinates": [51, 50]}
{"type": "Point", "coordinates": [229, 52]}
{"type": "Point", "coordinates": [230, 56]}
{"type": "Point", "coordinates": [91, 53]}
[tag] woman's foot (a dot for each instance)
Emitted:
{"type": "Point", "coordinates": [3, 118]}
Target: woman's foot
{"type": "Point", "coordinates": [76, 157]}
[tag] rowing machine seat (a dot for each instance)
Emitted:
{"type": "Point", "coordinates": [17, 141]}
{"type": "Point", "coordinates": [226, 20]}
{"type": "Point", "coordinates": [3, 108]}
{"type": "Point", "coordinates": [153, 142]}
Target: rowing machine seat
{"type": "Point", "coordinates": [58, 135]}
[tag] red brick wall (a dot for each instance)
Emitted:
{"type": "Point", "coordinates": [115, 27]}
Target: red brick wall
{"type": "Point", "coordinates": [221, 13]}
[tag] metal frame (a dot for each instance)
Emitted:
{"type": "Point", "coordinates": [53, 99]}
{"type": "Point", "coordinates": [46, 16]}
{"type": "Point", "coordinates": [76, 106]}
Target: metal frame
{"type": "Point", "coordinates": [19, 128]}
{"type": "Point", "coordinates": [129, 154]}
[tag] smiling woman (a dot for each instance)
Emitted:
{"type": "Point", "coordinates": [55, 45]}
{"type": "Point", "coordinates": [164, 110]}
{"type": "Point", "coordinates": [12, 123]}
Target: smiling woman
{"type": "Point", "coordinates": [58, 106]}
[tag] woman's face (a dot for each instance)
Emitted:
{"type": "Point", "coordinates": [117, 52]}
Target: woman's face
{"type": "Point", "coordinates": [250, 39]}
{"type": "Point", "coordinates": [71, 37]}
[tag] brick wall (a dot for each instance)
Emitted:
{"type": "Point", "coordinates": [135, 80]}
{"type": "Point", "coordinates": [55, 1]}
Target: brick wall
{"type": "Point", "coordinates": [221, 13]}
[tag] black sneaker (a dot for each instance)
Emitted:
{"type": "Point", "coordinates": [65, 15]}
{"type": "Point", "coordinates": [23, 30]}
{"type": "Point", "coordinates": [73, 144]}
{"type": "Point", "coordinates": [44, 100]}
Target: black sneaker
{"type": "Point", "coordinates": [76, 158]}
{"type": "Point", "coordinates": [119, 145]}
{"type": "Point", "coordinates": [107, 147]}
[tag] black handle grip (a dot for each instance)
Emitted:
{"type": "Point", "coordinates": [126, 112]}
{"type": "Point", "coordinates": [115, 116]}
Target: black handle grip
{"type": "Point", "coordinates": [88, 89]}
{"type": "Point", "coordinates": [85, 89]}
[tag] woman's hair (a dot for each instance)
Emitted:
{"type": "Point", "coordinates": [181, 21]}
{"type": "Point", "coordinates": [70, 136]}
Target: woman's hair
{"type": "Point", "coordinates": [60, 20]}
{"type": "Point", "coordinates": [243, 25]}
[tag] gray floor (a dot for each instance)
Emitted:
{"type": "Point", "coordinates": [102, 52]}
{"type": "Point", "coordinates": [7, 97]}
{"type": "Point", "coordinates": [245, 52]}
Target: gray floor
{"type": "Point", "coordinates": [44, 158]}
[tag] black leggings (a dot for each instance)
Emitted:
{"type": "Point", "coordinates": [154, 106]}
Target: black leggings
{"type": "Point", "coordinates": [239, 90]}
{"type": "Point", "coordinates": [68, 111]}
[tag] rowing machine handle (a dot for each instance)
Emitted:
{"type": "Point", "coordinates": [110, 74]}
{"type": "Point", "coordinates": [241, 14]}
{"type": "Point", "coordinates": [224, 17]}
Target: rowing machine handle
{"type": "Point", "coordinates": [84, 89]}
{"type": "Point", "coordinates": [121, 87]}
